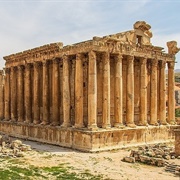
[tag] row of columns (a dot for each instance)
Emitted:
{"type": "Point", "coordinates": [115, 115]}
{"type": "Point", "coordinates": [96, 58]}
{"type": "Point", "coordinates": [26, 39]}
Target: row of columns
{"type": "Point", "coordinates": [24, 93]}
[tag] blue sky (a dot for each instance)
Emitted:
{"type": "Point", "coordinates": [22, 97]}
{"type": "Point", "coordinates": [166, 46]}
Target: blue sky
{"type": "Point", "coordinates": [26, 24]}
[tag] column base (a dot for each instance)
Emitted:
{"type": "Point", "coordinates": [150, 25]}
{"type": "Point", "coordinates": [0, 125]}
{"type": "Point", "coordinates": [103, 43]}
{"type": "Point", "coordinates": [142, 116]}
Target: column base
{"type": "Point", "coordinates": [36, 122]}
{"type": "Point", "coordinates": [44, 123]}
{"type": "Point", "coordinates": [78, 126]}
{"type": "Point", "coordinates": [13, 120]}
{"type": "Point", "coordinates": [142, 124]}
{"type": "Point", "coordinates": [54, 124]}
{"type": "Point", "coordinates": [131, 125]}
{"type": "Point", "coordinates": [172, 122]}
{"type": "Point", "coordinates": [154, 123]}
{"type": "Point", "coordinates": [118, 125]}
{"type": "Point", "coordinates": [106, 126]}
{"type": "Point", "coordinates": [66, 125]}
{"type": "Point", "coordinates": [163, 123]}
{"type": "Point", "coordinates": [20, 120]}
{"type": "Point", "coordinates": [27, 122]}
{"type": "Point", "coordinates": [92, 127]}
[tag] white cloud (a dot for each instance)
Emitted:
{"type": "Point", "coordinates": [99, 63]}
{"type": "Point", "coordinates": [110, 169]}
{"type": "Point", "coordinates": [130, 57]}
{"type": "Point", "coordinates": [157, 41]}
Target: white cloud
{"type": "Point", "coordinates": [29, 24]}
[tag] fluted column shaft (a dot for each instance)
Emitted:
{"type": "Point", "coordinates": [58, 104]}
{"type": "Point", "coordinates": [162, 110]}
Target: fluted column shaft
{"type": "Point", "coordinates": [162, 94]}
{"type": "Point", "coordinates": [92, 91]}
{"type": "Point", "coordinates": [45, 119]}
{"type": "Point", "coordinates": [20, 93]}
{"type": "Point", "coordinates": [7, 114]}
{"type": "Point", "coordinates": [1, 95]}
{"type": "Point", "coordinates": [130, 92]}
{"type": "Point", "coordinates": [171, 96]}
{"type": "Point", "coordinates": [143, 92]}
{"type": "Point", "coordinates": [28, 94]}
{"type": "Point", "coordinates": [153, 108]}
{"type": "Point", "coordinates": [118, 92]}
{"type": "Point", "coordinates": [66, 93]}
{"type": "Point", "coordinates": [79, 92]}
{"type": "Point", "coordinates": [13, 94]}
{"type": "Point", "coordinates": [55, 93]}
{"type": "Point", "coordinates": [36, 119]}
{"type": "Point", "coordinates": [106, 91]}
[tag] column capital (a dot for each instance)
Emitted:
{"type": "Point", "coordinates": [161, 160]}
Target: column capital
{"type": "Point", "coordinates": [56, 61]}
{"type": "Point", "coordinates": [13, 68]}
{"type": "Point", "coordinates": [37, 64]}
{"type": "Point", "coordinates": [171, 65]}
{"type": "Point", "coordinates": [7, 70]}
{"type": "Point", "coordinates": [130, 58]}
{"type": "Point", "coordinates": [154, 62]}
{"type": "Point", "coordinates": [163, 64]}
{"type": "Point", "coordinates": [92, 54]}
{"type": "Point", "coordinates": [106, 58]}
{"type": "Point", "coordinates": [79, 56]}
{"type": "Point", "coordinates": [20, 67]}
{"type": "Point", "coordinates": [45, 63]}
{"type": "Point", "coordinates": [28, 66]}
{"type": "Point", "coordinates": [65, 57]}
{"type": "Point", "coordinates": [143, 60]}
{"type": "Point", "coordinates": [118, 57]}
{"type": "Point", "coordinates": [1, 72]}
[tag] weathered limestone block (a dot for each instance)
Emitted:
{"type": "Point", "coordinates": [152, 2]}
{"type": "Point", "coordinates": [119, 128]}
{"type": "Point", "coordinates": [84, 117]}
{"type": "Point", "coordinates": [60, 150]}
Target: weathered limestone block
{"type": "Point", "coordinates": [129, 159]}
{"type": "Point", "coordinates": [177, 142]}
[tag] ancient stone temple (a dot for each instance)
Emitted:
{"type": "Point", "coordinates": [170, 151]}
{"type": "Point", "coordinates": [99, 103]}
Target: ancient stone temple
{"type": "Point", "coordinates": [104, 93]}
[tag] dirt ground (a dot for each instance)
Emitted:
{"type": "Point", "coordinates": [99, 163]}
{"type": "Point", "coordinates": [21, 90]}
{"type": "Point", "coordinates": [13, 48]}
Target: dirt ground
{"type": "Point", "coordinates": [108, 164]}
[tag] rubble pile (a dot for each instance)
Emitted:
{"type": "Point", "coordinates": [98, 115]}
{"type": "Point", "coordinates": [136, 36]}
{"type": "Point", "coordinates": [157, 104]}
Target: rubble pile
{"type": "Point", "coordinates": [12, 148]}
{"type": "Point", "coordinates": [156, 155]}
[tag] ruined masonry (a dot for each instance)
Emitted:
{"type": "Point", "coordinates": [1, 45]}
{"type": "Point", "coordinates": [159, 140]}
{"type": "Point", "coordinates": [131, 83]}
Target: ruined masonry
{"type": "Point", "coordinates": [101, 94]}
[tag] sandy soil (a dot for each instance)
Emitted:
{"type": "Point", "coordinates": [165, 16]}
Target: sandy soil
{"type": "Point", "coordinates": [107, 163]}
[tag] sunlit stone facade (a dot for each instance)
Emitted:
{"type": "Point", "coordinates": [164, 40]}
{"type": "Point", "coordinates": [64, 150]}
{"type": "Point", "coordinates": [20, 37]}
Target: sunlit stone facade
{"type": "Point", "coordinates": [105, 93]}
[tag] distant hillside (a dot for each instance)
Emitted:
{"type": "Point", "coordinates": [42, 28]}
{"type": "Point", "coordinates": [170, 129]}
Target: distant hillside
{"type": "Point", "coordinates": [177, 71]}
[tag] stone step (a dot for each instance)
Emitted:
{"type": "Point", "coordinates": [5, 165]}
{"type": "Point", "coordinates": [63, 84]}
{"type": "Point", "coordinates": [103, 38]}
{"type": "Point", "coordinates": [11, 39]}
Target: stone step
{"type": "Point", "coordinates": [171, 168]}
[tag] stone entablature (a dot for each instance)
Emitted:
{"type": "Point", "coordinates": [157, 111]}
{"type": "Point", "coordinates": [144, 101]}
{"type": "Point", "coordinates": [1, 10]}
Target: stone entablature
{"type": "Point", "coordinates": [117, 81]}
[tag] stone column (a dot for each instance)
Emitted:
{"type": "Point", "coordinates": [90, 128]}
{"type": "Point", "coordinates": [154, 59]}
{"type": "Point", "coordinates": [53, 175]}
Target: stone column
{"type": "Point", "coordinates": [55, 95]}
{"type": "Point", "coordinates": [106, 91]}
{"type": "Point", "coordinates": [92, 91]}
{"type": "Point", "coordinates": [79, 92]}
{"type": "Point", "coordinates": [66, 93]}
{"type": "Point", "coordinates": [1, 95]}
{"type": "Point", "coordinates": [20, 93]}
{"type": "Point", "coordinates": [153, 108]}
{"type": "Point", "coordinates": [130, 92]}
{"type": "Point", "coordinates": [45, 119]}
{"type": "Point", "coordinates": [28, 94]}
{"type": "Point", "coordinates": [162, 94]}
{"type": "Point", "coordinates": [13, 94]}
{"type": "Point", "coordinates": [143, 92]}
{"type": "Point", "coordinates": [36, 119]}
{"type": "Point", "coordinates": [171, 95]}
{"type": "Point", "coordinates": [7, 93]}
{"type": "Point", "coordinates": [118, 92]}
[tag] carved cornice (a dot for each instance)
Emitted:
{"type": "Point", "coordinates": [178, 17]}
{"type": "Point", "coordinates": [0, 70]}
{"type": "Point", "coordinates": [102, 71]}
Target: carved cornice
{"type": "Point", "coordinates": [42, 52]}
